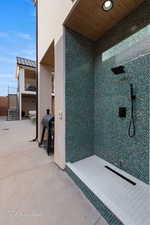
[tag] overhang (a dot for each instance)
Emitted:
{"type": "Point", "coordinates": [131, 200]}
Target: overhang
{"type": "Point", "coordinates": [48, 58]}
{"type": "Point", "coordinates": [89, 19]}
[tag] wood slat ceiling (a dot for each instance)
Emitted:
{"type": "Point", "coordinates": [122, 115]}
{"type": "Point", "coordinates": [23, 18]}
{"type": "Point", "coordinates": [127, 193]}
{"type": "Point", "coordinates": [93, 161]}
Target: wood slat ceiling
{"type": "Point", "coordinates": [89, 19]}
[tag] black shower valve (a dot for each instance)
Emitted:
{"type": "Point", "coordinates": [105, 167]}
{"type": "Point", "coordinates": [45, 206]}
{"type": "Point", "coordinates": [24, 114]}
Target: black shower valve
{"type": "Point", "coordinates": [122, 112]}
{"type": "Point", "coordinates": [133, 97]}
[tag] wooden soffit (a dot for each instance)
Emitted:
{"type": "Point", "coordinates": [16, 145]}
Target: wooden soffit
{"type": "Point", "coordinates": [49, 58]}
{"type": "Point", "coordinates": [89, 19]}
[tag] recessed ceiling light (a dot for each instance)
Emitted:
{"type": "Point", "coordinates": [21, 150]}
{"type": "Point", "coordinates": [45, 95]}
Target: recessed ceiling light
{"type": "Point", "coordinates": [107, 5]}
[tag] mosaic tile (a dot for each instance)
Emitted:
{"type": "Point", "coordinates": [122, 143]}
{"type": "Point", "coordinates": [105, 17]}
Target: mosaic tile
{"type": "Point", "coordinates": [93, 97]}
{"type": "Point", "coordinates": [105, 212]}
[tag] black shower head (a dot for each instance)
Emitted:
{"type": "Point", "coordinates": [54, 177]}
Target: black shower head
{"type": "Point", "coordinates": [118, 70]}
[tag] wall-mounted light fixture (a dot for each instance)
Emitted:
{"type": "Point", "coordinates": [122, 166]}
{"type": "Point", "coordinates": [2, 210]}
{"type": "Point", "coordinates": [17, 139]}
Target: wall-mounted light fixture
{"type": "Point", "coordinates": [107, 5]}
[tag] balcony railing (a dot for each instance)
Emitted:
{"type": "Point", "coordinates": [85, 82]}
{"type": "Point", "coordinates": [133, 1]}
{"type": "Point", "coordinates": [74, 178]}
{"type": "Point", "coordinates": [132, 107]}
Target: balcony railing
{"type": "Point", "coordinates": [30, 88]}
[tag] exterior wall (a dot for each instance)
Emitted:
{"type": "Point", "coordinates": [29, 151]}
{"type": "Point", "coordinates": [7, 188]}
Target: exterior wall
{"type": "Point", "coordinates": [21, 80]}
{"type": "Point", "coordinates": [51, 17]}
{"type": "Point", "coordinates": [44, 94]}
{"type": "Point", "coordinates": [59, 80]}
{"type": "Point", "coordinates": [50, 28]}
{"type": "Point", "coordinates": [79, 97]}
{"type": "Point", "coordinates": [3, 105]}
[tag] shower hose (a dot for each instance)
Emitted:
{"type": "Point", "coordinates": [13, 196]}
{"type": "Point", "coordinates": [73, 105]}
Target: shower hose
{"type": "Point", "coordinates": [132, 131]}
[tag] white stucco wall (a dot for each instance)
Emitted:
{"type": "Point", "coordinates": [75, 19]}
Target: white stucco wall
{"type": "Point", "coordinates": [21, 80]}
{"type": "Point", "coordinates": [44, 95]}
{"type": "Point", "coordinates": [51, 15]}
{"type": "Point", "coordinates": [21, 89]}
{"type": "Point", "coordinates": [59, 155]}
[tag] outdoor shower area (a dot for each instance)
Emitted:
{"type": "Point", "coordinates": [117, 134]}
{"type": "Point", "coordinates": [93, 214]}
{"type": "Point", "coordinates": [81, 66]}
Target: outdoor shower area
{"type": "Point", "coordinates": [107, 118]}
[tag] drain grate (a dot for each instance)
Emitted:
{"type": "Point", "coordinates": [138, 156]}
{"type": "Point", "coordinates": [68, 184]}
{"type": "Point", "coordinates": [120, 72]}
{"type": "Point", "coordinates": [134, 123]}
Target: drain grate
{"type": "Point", "coordinates": [120, 175]}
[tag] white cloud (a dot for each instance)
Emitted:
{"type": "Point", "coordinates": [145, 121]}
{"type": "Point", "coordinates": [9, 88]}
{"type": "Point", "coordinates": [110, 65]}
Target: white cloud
{"type": "Point", "coordinates": [24, 36]}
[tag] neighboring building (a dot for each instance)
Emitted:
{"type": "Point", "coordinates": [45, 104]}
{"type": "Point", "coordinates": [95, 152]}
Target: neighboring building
{"type": "Point", "coordinates": [3, 105]}
{"type": "Point", "coordinates": [95, 51]}
{"type": "Point", "coordinates": [26, 76]}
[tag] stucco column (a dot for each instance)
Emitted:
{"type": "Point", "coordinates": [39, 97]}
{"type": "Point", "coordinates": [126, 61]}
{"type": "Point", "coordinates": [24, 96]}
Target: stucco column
{"type": "Point", "coordinates": [59, 155]}
{"type": "Point", "coordinates": [44, 93]}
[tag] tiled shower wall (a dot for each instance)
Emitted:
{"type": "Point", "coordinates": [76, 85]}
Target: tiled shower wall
{"type": "Point", "coordinates": [112, 142]}
{"type": "Point", "coordinates": [79, 97]}
{"type": "Point", "coordinates": [94, 95]}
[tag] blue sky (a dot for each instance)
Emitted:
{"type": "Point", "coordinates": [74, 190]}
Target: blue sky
{"type": "Point", "coordinates": [17, 38]}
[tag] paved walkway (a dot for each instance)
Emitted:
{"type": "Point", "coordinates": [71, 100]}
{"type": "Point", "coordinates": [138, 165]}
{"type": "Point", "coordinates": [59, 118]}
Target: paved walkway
{"type": "Point", "coordinates": [33, 191]}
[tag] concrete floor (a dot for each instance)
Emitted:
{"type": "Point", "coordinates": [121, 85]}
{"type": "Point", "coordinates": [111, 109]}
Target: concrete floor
{"type": "Point", "coordinates": [33, 190]}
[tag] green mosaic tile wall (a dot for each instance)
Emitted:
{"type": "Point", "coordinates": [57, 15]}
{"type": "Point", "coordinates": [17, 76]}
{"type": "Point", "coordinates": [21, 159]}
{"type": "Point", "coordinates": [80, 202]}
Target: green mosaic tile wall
{"type": "Point", "coordinates": [111, 92]}
{"type": "Point", "coordinates": [93, 96]}
{"type": "Point", "coordinates": [79, 97]}
{"type": "Point", "coordinates": [112, 142]}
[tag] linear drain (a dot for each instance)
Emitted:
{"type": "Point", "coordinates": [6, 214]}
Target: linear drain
{"type": "Point", "coordinates": [120, 175]}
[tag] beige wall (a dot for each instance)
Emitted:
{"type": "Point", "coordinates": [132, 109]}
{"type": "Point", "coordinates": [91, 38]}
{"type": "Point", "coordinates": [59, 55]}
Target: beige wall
{"type": "Point", "coordinates": [51, 15]}
{"type": "Point", "coordinates": [21, 80]}
{"type": "Point", "coordinates": [44, 94]}
{"type": "Point", "coordinates": [59, 155]}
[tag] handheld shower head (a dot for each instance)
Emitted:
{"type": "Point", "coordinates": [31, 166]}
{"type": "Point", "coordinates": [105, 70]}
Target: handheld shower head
{"type": "Point", "coordinates": [131, 130]}
{"type": "Point", "coordinates": [131, 92]}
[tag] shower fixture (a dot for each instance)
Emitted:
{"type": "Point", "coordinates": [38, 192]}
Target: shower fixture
{"type": "Point", "coordinates": [118, 70]}
{"type": "Point", "coordinates": [132, 131]}
{"type": "Point", "coordinates": [122, 112]}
